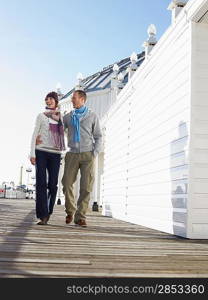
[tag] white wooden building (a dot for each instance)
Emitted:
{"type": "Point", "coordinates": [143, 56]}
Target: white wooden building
{"type": "Point", "coordinates": [155, 122]}
{"type": "Point", "coordinates": [156, 138]}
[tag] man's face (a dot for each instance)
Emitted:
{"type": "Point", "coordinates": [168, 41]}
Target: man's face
{"type": "Point", "coordinates": [77, 100]}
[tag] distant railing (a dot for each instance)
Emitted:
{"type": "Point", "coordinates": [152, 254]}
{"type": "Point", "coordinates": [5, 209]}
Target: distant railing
{"type": "Point", "coordinates": [13, 194]}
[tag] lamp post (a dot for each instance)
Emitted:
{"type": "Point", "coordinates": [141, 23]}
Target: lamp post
{"type": "Point", "coordinates": [21, 171]}
{"type": "Point", "coordinates": [28, 170]}
{"type": "Point", "coordinates": [5, 187]}
{"type": "Point", "coordinates": [5, 191]}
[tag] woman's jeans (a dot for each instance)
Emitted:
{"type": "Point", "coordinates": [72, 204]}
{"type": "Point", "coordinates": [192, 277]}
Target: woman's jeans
{"type": "Point", "coordinates": [47, 170]}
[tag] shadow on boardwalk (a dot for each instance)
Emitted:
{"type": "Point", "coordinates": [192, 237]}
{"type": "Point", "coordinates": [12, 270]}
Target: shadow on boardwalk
{"type": "Point", "coordinates": [14, 230]}
{"type": "Point", "coordinates": [106, 248]}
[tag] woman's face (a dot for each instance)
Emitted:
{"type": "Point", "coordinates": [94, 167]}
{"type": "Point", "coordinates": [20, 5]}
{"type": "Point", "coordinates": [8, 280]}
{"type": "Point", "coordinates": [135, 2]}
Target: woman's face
{"type": "Point", "coordinates": [50, 102]}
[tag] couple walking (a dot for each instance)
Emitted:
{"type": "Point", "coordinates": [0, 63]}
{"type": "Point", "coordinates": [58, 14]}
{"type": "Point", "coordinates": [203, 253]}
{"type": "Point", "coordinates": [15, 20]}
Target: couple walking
{"type": "Point", "coordinates": [82, 128]}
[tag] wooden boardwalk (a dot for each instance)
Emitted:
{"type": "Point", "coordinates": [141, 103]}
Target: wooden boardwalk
{"type": "Point", "coordinates": [106, 248]}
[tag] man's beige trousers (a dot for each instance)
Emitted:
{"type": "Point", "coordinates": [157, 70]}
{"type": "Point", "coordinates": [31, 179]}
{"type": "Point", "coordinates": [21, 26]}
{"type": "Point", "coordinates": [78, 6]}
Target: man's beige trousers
{"type": "Point", "coordinates": [73, 162]}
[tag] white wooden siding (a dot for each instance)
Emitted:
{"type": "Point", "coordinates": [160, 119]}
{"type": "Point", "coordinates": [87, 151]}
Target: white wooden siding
{"type": "Point", "coordinates": [156, 153]}
{"type": "Point", "coordinates": [198, 202]}
{"type": "Point", "coordinates": [147, 136]}
{"type": "Point", "coordinates": [99, 101]}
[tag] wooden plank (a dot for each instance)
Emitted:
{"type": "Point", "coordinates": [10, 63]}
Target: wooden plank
{"type": "Point", "coordinates": [41, 260]}
{"type": "Point", "coordinates": [106, 248]}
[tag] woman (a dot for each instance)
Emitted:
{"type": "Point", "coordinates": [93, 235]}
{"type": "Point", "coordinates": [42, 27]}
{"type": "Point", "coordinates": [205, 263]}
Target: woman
{"type": "Point", "coordinates": [46, 156]}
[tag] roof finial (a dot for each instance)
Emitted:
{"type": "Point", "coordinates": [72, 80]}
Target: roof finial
{"type": "Point", "coordinates": [58, 90]}
{"type": "Point", "coordinates": [133, 59]}
{"type": "Point", "coordinates": [120, 83]}
{"type": "Point", "coordinates": [151, 42]}
{"type": "Point", "coordinates": [176, 6]}
{"type": "Point", "coordinates": [80, 85]}
{"type": "Point", "coordinates": [115, 71]}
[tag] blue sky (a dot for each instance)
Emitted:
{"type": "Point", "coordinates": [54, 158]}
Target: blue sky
{"type": "Point", "coordinates": [48, 41]}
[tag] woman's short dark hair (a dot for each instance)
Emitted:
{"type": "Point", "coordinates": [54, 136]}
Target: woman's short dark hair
{"type": "Point", "coordinates": [53, 95]}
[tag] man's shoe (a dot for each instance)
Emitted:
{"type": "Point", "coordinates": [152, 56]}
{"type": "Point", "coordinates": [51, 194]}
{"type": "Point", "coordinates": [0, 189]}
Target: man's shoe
{"type": "Point", "coordinates": [81, 223]}
{"type": "Point", "coordinates": [43, 221]}
{"type": "Point", "coordinates": [69, 219]}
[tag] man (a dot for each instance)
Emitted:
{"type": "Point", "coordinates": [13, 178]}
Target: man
{"type": "Point", "coordinates": [84, 140]}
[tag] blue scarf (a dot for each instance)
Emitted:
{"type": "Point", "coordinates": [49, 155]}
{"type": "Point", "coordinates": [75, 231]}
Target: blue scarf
{"type": "Point", "coordinates": [75, 121]}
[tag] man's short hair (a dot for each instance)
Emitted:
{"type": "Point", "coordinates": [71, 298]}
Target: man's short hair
{"type": "Point", "coordinates": [81, 94]}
